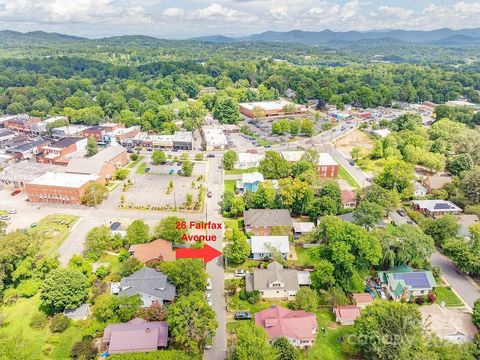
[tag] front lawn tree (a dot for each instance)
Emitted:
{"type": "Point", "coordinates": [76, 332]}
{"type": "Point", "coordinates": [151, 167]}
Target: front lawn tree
{"type": "Point", "coordinates": [229, 159]}
{"type": "Point", "coordinates": [188, 275]}
{"type": "Point", "coordinates": [306, 299]}
{"type": "Point", "coordinates": [252, 344]}
{"type": "Point", "coordinates": [191, 322]}
{"type": "Point", "coordinates": [63, 288]}
{"type": "Point", "coordinates": [285, 350]}
{"type": "Point", "coordinates": [367, 214]}
{"type": "Point", "coordinates": [138, 232]}
{"type": "Point", "coordinates": [237, 250]}
{"type": "Point", "coordinates": [92, 146]}
{"type": "Point", "coordinates": [171, 229]}
{"type": "Point", "coordinates": [97, 240]}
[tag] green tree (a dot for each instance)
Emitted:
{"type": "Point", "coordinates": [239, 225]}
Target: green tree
{"type": "Point", "coordinates": [92, 147]}
{"type": "Point", "coordinates": [191, 322]}
{"type": "Point", "coordinates": [83, 350]}
{"type": "Point", "coordinates": [171, 229]}
{"type": "Point", "coordinates": [396, 175]}
{"type": "Point", "coordinates": [251, 343]}
{"type": "Point", "coordinates": [471, 185]}
{"type": "Point", "coordinates": [97, 240]}
{"type": "Point", "coordinates": [187, 168]}
{"type": "Point", "coordinates": [389, 331]}
{"type": "Point", "coordinates": [460, 163]}
{"type": "Point", "coordinates": [230, 157]}
{"type": "Point", "coordinates": [274, 166]}
{"type": "Point", "coordinates": [306, 299]}
{"type": "Point", "coordinates": [63, 289]}
{"type": "Point", "coordinates": [138, 232]}
{"type": "Point", "coordinates": [226, 110]}
{"type": "Point", "coordinates": [295, 125]}
{"type": "Point", "coordinates": [367, 214]}
{"type": "Point", "coordinates": [440, 229]}
{"type": "Point", "coordinates": [409, 121]}
{"type": "Point", "coordinates": [115, 309]}
{"type": "Point", "coordinates": [285, 350]}
{"type": "Point", "coordinates": [308, 127]}
{"type": "Point", "coordinates": [188, 275]}
{"type": "Point", "coordinates": [121, 174]}
{"type": "Point", "coordinates": [323, 276]}
{"type": "Point", "coordinates": [94, 194]}
{"type": "Point", "coordinates": [476, 313]}
{"type": "Point", "coordinates": [237, 249]}
{"type": "Point", "coordinates": [158, 157]}
{"type": "Point", "coordinates": [294, 195]}
{"type": "Point", "coordinates": [356, 153]}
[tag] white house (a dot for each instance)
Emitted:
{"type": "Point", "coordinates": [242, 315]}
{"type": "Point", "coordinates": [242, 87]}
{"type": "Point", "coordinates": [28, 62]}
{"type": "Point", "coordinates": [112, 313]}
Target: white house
{"type": "Point", "coordinates": [263, 246]}
{"type": "Point", "coordinates": [248, 160]}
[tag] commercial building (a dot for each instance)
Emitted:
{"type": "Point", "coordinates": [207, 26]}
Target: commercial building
{"type": "Point", "coordinates": [98, 132]}
{"type": "Point", "coordinates": [121, 134]}
{"type": "Point", "coordinates": [103, 165]}
{"type": "Point", "coordinates": [183, 140]}
{"type": "Point", "coordinates": [21, 173]}
{"type": "Point", "coordinates": [40, 128]}
{"type": "Point", "coordinates": [60, 151]}
{"type": "Point", "coordinates": [327, 166]}
{"type": "Point", "coordinates": [70, 130]}
{"type": "Point", "coordinates": [59, 188]}
{"type": "Point", "coordinates": [21, 123]}
{"type": "Point", "coordinates": [27, 150]}
{"type": "Point", "coordinates": [270, 108]}
{"type": "Point", "coordinates": [213, 138]}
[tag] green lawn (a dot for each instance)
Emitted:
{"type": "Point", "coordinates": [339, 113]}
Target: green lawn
{"type": "Point", "coordinates": [230, 185]}
{"type": "Point", "coordinates": [52, 231]}
{"type": "Point", "coordinates": [235, 303]}
{"type": "Point", "coordinates": [448, 296]}
{"type": "Point", "coordinates": [328, 347]}
{"type": "Point", "coordinates": [141, 168]}
{"type": "Point", "coordinates": [233, 224]}
{"type": "Point", "coordinates": [375, 166]}
{"type": "Point", "coordinates": [303, 256]}
{"type": "Point", "coordinates": [179, 105]}
{"type": "Point", "coordinates": [3, 212]}
{"type": "Point", "coordinates": [240, 171]}
{"type": "Point", "coordinates": [134, 163]}
{"type": "Point", "coordinates": [113, 185]}
{"type": "Point", "coordinates": [347, 177]}
{"type": "Point", "coordinates": [19, 341]}
{"type": "Point", "coordinates": [110, 259]}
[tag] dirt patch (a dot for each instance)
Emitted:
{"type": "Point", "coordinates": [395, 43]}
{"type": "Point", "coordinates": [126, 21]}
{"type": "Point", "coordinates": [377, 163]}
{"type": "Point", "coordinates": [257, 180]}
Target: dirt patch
{"type": "Point", "coordinates": [355, 138]}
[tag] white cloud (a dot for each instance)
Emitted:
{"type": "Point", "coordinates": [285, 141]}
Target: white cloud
{"type": "Point", "coordinates": [217, 12]}
{"type": "Point", "coordinates": [173, 12]}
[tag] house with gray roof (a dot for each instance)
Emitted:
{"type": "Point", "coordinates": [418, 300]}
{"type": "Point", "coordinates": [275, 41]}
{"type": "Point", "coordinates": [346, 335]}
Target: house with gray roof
{"type": "Point", "coordinates": [150, 284]}
{"type": "Point", "coordinates": [261, 221]}
{"type": "Point", "coordinates": [403, 282]}
{"type": "Point", "coordinates": [80, 313]}
{"type": "Point", "coordinates": [275, 281]}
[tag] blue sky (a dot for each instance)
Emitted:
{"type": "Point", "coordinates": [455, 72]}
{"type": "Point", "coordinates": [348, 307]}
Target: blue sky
{"type": "Point", "coordinates": [183, 19]}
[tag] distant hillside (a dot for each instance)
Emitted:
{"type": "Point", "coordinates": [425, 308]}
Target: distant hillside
{"type": "Point", "coordinates": [438, 37]}
{"type": "Point", "coordinates": [9, 35]}
{"type": "Point", "coordinates": [214, 38]}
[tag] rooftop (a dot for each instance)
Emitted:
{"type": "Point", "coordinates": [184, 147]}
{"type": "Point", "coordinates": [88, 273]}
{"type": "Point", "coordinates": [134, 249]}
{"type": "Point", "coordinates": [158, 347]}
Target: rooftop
{"type": "Point", "coordinates": [26, 171]}
{"type": "Point", "coordinates": [325, 159]}
{"type": "Point", "coordinates": [261, 279]}
{"type": "Point", "coordinates": [292, 156]}
{"type": "Point", "coordinates": [63, 179]}
{"type": "Point", "coordinates": [150, 282]}
{"type": "Point", "coordinates": [65, 142]}
{"type": "Point", "coordinates": [267, 217]}
{"type": "Point", "coordinates": [437, 205]}
{"type": "Point", "coordinates": [265, 244]}
{"type": "Point", "coordinates": [303, 227]}
{"type": "Point", "coordinates": [347, 312]}
{"type": "Point", "coordinates": [182, 136]}
{"type": "Point", "coordinates": [250, 178]}
{"type": "Point", "coordinates": [159, 250]}
{"type": "Point", "coordinates": [267, 105]}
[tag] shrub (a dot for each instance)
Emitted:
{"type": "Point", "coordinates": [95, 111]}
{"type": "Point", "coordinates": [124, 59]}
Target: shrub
{"type": "Point", "coordinates": [134, 157]}
{"type": "Point", "coordinates": [95, 329]}
{"type": "Point", "coordinates": [102, 271]}
{"type": "Point", "coordinates": [59, 323]}
{"type": "Point", "coordinates": [420, 300]}
{"type": "Point", "coordinates": [39, 321]}
{"type": "Point", "coordinates": [84, 350]}
{"type": "Point", "coordinates": [431, 297]}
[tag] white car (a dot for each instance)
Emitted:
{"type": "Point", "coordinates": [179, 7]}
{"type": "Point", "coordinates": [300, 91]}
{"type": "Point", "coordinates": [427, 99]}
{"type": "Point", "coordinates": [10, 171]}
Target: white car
{"type": "Point", "coordinates": [208, 295]}
{"type": "Point", "coordinates": [209, 301]}
{"type": "Point", "coordinates": [240, 273]}
{"type": "Point", "coordinates": [209, 284]}
{"type": "Point", "coordinates": [4, 217]}
{"type": "Point", "coordinates": [12, 211]}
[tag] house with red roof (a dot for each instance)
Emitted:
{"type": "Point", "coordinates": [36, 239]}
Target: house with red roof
{"type": "Point", "coordinates": [349, 199]}
{"type": "Point", "coordinates": [137, 335]}
{"type": "Point", "coordinates": [346, 314]}
{"type": "Point", "coordinates": [298, 327]}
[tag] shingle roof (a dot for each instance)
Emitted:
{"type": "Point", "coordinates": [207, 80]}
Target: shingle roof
{"type": "Point", "coordinates": [267, 217]}
{"type": "Point", "coordinates": [347, 312]}
{"type": "Point", "coordinates": [261, 278]}
{"type": "Point", "coordinates": [65, 142]}
{"type": "Point", "coordinates": [137, 335]}
{"type": "Point", "coordinates": [265, 244]}
{"type": "Point", "coordinates": [148, 281]}
{"type": "Point", "coordinates": [279, 321]}
{"type": "Point", "coordinates": [156, 250]}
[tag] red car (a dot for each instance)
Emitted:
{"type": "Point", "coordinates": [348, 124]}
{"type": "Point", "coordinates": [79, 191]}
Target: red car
{"type": "Point", "coordinates": [16, 192]}
{"type": "Point", "coordinates": [209, 194]}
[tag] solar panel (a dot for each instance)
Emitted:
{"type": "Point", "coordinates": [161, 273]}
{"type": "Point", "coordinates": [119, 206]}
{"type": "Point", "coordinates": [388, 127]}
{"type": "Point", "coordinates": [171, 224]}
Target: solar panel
{"type": "Point", "coordinates": [442, 206]}
{"type": "Point", "coordinates": [415, 280]}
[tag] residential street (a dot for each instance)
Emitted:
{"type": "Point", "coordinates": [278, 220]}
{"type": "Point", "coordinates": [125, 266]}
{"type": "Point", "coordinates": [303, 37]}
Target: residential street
{"type": "Point", "coordinates": [459, 282]}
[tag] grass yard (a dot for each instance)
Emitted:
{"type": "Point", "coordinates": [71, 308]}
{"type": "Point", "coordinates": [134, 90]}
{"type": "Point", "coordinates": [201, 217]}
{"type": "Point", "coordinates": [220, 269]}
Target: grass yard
{"type": "Point", "coordinates": [247, 265]}
{"type": "Point", "coordinates": [303, 256]}
{"type": "Point", "coordinates": [110, 259]}
{"type": "Point", "coordinates": [347, 177]}
{"type": "Point", "coordinates": [230, 185]}
{"type": "Point", "coordinates": [234, 303]}
{"type": "Point", "coordinates": [19, 341]}
{"type": "Point", "coordinates": [134, 163]}
{"type": "Point", "coordinates": [179, 105]}
{"type": "Point", "coordinates": [141, 168]}
{"type": "Point", "coordinates": [369, 165]}
{"type": "Point", "coordinates": [233, 224]}
{"type": "Point", "coordinates": [328, 347]}
{"type": "Point", "coordinates": [240, 171]}
{"type": "Point", "coordinates": [3, 212]}
{"type": "Point", "coordinates": [113, 185]}
{"type": "Point", "coordinates": [52, 231]}
{"type": "Point", "coordinates": [448, 296]}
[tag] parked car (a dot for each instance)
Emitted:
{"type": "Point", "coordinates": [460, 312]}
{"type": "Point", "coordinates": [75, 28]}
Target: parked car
{"type": "Point", "coordinates": [369, 290]}
{"type": "Point", "coordinates": [240, 273]}
{"type": "Point", "coordinates": [401, 212]}
{"type": "Point", "coordinates": [381, 294]}
{"type": "Point", "coordinates": [174, 150]}
{"type": "Point", "coordinates": [130, 151]}
{"type": "Point", "coordinates": [209, 301]}
{"type": "Point", "coordinates": [352, 163]}
{"type": "Point", "coordinates": [243, 315]}
{"type": "Point", "coordinates": [16, 192]}
{"type": "Point", "coordinates": [209, 285]}
{"type": "Point", "coordinates": [208, 295]}
{"type": "Point", "coordinates": [147, 170]}
{"type": "Point", "coordinates": [171, 172]}
{"type": "Point", "coordinates": [149, 149]}
{"type": "Point", "coordinates": [179, 163]}
{"type": "Point", "coordinates": [33, 225]}
{"type": "Point", "coordinates": [209, 194]}
{"type": "Point", "coordinates": [210, 156]}
{"type": "Point", "coordinates": [12, 211]}
{"type": "Point", "coordinates": [4, 217]}
{"type": "Point", "coordinates": [179, 172]}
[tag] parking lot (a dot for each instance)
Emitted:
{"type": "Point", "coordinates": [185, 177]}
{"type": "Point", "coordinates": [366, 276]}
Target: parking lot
{"type": "Point", "coordinates": [151, 188]}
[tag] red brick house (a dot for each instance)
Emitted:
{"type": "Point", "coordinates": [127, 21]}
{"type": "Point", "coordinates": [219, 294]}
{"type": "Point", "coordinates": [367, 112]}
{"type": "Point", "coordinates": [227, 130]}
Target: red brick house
{"type": "Point", "coordinates": [59, 151]}
{"type": "Point", "coordinates": [21, 123]}
{"type": "Point", "coordinates": [327, 166]}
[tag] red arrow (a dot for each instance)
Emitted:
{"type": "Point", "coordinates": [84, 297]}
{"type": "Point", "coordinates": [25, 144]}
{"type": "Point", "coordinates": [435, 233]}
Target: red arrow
{"type": "Point", "coordinates": [207, 253]}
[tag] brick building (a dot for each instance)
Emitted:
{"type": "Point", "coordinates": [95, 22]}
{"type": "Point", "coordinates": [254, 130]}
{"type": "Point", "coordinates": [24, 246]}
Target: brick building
{"type": "Point", "coordinates": [60, 188]}
{"type": "Point", "coordinates": [21, 123]}
{"type": "Point", "coordinates": [270, 108]}
{"type": "Point", "coordinates": [98, 131]}
{"type": "Point", "coordinates": [59, 152]}
{"type": "Point", "coordinates": [327, 166]}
